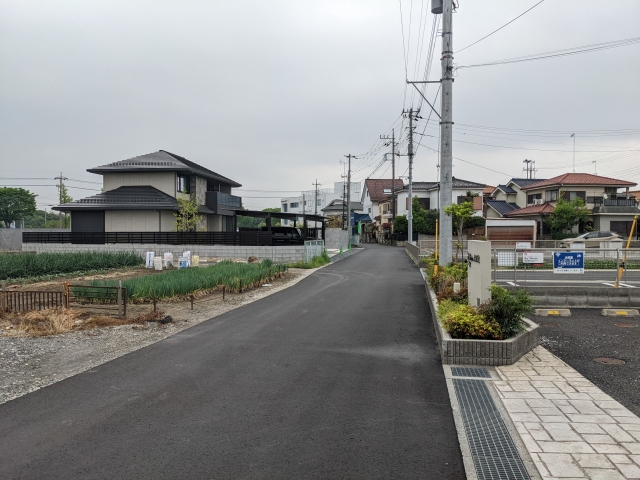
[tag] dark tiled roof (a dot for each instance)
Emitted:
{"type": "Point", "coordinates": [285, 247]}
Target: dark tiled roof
{"type": "Point", "coordinates": [127, 198]}
{"type": "Point", "coordinates": [502, 207]}
{"type": "Point", "coordinates": [580, 179]}
{"type": "Point", "coordinates": [336, 206]}
{"type": "Point", "coordinates": [457, 183]}
{"type": "Point", "coordinates": [162, 161]}
{"type": "Point", "coordinates": [602, 209]}
{"type": "Point", "coordinates": [506, 189]}
{"type": "Point", "coordinates": [524, 182]}
{"type": "Point", "coordinates": [376, 187]}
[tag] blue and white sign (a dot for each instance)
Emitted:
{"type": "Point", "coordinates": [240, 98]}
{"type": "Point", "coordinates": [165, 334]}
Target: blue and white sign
{"type": "Point", "coordinates": [568, 262]}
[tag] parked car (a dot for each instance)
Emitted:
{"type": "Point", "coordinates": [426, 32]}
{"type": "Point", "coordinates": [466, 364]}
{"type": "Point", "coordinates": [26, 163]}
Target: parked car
{"type": "Point", "coordinates": [591, 239]}
{"type": "Point", "coordinates": [286, 235]}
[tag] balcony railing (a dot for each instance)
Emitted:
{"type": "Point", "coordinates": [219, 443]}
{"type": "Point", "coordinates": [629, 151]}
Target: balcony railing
{"type": "Point", "coordinates": [619, 202]}
{"type": "Point", "coordinates": [223, 203]}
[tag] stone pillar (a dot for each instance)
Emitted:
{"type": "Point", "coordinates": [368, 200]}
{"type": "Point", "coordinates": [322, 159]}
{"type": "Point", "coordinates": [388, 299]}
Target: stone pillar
{"type": "Point", "coordinates": [479, 281]}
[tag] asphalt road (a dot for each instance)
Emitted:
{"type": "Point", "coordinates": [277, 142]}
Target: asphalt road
{"type": "Point", "coordinates": [585, 335]}
{"type": "Point", "coordinates": [335, 377]}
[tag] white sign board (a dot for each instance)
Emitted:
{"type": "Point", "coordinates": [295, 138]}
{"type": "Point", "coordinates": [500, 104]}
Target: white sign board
{"type": "Point", "coordinates": [533, 257]}
{"type": "Point", "coordinates": [523, 245]}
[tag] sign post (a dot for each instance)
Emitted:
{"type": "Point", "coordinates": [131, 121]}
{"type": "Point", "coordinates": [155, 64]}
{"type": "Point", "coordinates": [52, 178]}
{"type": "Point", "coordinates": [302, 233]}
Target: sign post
{"type": "Point", "coordinates": [568, 262]}
{"type": "Point", "coordinates": [479, 276]}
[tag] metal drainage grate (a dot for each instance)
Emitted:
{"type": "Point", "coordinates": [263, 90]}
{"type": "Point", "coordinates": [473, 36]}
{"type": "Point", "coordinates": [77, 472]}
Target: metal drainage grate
{"type": "Point", "coordinates": [470, 372]}
{"type": "Point", "coordinates": [494, 455]}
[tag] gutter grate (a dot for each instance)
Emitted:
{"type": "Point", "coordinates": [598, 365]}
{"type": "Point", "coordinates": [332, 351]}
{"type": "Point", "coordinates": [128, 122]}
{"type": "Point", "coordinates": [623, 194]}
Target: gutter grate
{"type": "Point", "coordinates": [494, 454]}
{"type": "Point", "coordinates": [470, 372]}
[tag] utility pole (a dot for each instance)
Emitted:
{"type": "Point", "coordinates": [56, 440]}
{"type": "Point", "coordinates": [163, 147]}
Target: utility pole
{"type": "Point", "coordinates": [393, 171]}
{"type": "Point", "coordinates": [61, 178]}
{"type": "Point", "coordinates": [574, 152]}
{"type": "Point", "coordinates": [446, 132]}
{"type": "Point", "coordinates": [528, 168]}
{"type": "Point", "coordinates": [348, 202]}
{"type": "Point", "coordinates": [315, 211]}
{"type": "Point", "coordinates": [410, 154]}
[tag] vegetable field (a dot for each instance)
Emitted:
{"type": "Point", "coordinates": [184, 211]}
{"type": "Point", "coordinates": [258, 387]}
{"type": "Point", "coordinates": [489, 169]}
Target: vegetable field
{"type": "Point", "coordinates": [178, 283]}
{"type": "Point", "coordinates": [27, 265]}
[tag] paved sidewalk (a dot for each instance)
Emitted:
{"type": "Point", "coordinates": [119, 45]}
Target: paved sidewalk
{"type": "Point", "coordinates": [569, 426]}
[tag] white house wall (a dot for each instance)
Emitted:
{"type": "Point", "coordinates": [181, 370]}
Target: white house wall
{"type": "Point", "coordinates": [163, 181]}
{"type": "Point", "coordinates": [134, 221]}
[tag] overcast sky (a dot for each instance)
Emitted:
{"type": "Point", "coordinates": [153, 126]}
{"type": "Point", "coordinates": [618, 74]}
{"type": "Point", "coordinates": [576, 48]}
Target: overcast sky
{"type": "Point", "coordinates": [274, 94]}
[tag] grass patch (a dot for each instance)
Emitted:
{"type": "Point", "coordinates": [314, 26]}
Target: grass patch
{"type": "Point", "coordinates": [57, 321]}
{"type": "Point", "coordinates": [29, 266]}
{"type": "Point", "coordinates": [315, 262]}
{"type": "Point", "coordinates": [180, 283]}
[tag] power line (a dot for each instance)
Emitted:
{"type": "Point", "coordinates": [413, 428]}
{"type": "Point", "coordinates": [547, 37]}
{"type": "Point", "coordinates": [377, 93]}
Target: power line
{"type": "Point", "coordinates": [560, 53]}
{"type": "Point", "coordinates": [487, 36]}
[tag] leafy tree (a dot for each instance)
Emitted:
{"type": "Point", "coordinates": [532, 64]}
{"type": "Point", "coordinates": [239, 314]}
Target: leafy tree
{"type": "Point", "coordinates": [187, 218]}
{"type": "Point", "coordinates": [335, 222]}
{"type": "Point", "coordinates": [401, 225]}
{"type": "Point", "coordinates": [459, 213]}
{"type": "Point", "coordinates": [471, 222]}
{"type": "Point", "coordinates": [424, 221]}
{"type": "Point", "coordinates": [15, 204]}
{"type": "Point", "coordinates": [566, 215]}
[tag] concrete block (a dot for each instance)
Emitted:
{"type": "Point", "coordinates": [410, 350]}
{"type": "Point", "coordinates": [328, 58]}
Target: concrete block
{"type": "Point", "coordinates": [557, 312]}
{"type": "Point", "coordinates": [618, 301]}
{"type": "Point", "coordinates": [619, 312]}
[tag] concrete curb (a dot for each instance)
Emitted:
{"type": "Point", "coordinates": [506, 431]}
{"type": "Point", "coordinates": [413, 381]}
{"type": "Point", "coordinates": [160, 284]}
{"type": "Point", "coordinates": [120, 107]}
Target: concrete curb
{"type": "Point", "coordinates": [481, 352]}
{"type": "Point", "coordinates": [581, 297]}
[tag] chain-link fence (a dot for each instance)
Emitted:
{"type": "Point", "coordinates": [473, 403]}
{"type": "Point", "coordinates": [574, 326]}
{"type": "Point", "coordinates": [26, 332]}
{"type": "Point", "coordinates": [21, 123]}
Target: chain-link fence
{"type": "Point", "coordinates": [536, 265]}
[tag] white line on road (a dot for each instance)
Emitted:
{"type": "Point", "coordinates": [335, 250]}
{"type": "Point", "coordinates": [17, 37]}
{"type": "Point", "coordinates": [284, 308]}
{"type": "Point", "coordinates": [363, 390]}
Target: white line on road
{"type": "Point", "coordinates": [512, 283]}
{"type": "Point", "coordinates": [628, 286]}
{"type": "Point", "coordinates": [609, 284]}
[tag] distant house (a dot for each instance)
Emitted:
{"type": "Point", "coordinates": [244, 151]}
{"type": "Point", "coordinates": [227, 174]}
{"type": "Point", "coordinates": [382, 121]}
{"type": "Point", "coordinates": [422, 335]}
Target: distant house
{"type": "Point", "coordinates": [428, 194]}
{"type": "Point", "coordinates": [508, 197]}
{"type": "Point", "coordinates": [140, 195]}
{"type": "Point", "coordinates": [377, 199]}
{"type": "Point", "coordinates": [609, 200]}
{"type": "Point", "coordinates": [313, 201]}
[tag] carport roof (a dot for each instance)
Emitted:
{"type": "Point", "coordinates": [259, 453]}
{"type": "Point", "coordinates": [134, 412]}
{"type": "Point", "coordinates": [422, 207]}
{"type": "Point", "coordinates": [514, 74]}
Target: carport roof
{"type": "Point", "coordinates": [282, 215]}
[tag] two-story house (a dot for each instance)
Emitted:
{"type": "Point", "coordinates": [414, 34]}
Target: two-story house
{"type": "Point", "coordinates": [428, 194]}
{"type": "Point", "coordinates": [140, 195]}
{"type": "Point", "coordinates": [315, 201]}
{"type": "Point", "coordinates": [508, 197]}
{"type": "Point", "coordinates": [608, 199]}
{"type": "Point", "coordinates": [377, 199]}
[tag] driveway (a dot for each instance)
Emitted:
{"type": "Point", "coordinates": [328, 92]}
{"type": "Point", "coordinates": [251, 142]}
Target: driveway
{"type": "Point", "coordinates": [335, 377]}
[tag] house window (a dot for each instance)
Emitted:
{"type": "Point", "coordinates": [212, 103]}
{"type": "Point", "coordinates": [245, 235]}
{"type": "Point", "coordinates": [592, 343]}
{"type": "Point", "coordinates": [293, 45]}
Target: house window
{"type": "Point", "coordinates": [531, 199]}
{"type": "Point", "coordinates": [573, 195]}
{"type": "Point", "coordinates": [425, 202]}
{"type": "Point", "coordinates": [294, 204]}
{"type": "Point", "coordinates": [284, 207]}
{"type": "Point", "coordinates": [386, 190]}
{"type": "Point", "coordinates": [551, 195]}
{"type": "Point", "coordinates": [183, 184]}
{"type": "Point", "coordinates": [319, 202]}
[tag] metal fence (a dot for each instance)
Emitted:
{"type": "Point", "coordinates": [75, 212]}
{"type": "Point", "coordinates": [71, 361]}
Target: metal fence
{"type": "Point", "coordinates": [600, 266]}
{"type": "Point", "coordinates": [27, 300]}
{"type": "Point", "coordinates": [312, 248]}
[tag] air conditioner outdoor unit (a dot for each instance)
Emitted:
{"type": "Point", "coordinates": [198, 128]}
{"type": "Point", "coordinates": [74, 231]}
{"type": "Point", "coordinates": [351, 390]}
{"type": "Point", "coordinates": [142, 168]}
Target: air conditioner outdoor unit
{"type": "Point", "coordinates": [538, 201]}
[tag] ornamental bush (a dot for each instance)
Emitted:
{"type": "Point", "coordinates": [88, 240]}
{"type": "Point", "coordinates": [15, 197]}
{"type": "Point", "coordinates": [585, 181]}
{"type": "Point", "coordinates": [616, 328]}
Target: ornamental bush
{"type": "Point", "coordinates": [507, 309]}
{"type": "Point", "coordinates": [464, 321]}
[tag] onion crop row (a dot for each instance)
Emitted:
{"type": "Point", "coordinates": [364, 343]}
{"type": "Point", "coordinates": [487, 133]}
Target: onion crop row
{"type": "Point", "coordinates": [176, 283]}
{"type": "Point", "coordinates": [28, 265]}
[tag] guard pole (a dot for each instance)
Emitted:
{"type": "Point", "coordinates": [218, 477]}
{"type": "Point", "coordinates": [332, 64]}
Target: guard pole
{"type": "Point", "coordinates": [623, 265]}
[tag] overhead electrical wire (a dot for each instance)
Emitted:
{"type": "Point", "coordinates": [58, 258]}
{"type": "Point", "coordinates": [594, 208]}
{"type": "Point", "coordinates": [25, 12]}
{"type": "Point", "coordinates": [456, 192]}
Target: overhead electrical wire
{"type": "Point", "coordinates": [559, 53]}
{"type": "Point", "coordinates": [497, 30]}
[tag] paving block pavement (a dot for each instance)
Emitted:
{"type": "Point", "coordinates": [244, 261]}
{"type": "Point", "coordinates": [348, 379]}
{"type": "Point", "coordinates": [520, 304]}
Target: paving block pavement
{"type": "Point", "coordinates": [569, 426]}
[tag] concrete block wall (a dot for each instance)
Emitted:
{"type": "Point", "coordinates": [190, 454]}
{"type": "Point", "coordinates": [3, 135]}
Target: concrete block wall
{"type": "Point", "coordinates": [279, 254]}
{"type": "Point", "coordinates": [336, 238]}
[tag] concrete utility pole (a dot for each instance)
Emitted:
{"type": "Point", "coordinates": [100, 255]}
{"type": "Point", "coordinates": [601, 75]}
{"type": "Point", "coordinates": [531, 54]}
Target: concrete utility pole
{"type": "Point", "coordinates": [528, 168]}
{"type": "Point", "coordinates": [393, 171]}
{"type": "Point", "coordinates": [574, 152]}
{"type": "Point", "coordinates": [315, 211]}
{"type": "Point", "coordinates": [348, 202]}
{"type": "Point", "coordinates": [61, 178]}
{"type": "Point", "coordinates": [410, 153]}
{"type": "Point", "coordinates": [446, 133]}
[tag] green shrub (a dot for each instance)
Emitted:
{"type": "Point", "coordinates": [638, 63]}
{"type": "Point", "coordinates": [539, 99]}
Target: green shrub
{"type": "Point", "coordinates": [464, 321]}
{"type": "Point", "coordinates": [507, 309]}
{"type": "Point", "coordinates": [315, 262]}
{"type": "Point", "coordinates": [447, 293]}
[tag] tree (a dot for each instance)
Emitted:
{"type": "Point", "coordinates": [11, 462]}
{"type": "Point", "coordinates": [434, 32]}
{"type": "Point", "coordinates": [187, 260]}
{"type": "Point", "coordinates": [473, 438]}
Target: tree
{"type": "Point", "coordinates": [424, 221]}
{"type": "Point", "coordinates": [187, 218]}
{"type": "Point", "coordinates": [401, 225]}
{"type": "Point", "coordinates": [16, 204]}
{"type": "Point", "coordinates": [566, 215]}
{"type": "Point", "coordinates": [459, 213]}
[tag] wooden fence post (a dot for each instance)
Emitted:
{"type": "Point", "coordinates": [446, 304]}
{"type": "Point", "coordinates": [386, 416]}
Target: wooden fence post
{"type": "Point", "coordinates": [4, 295]}
{"type": "Point", "coordinates": [120, 298]}
{"type": "Point", "coordinates": [124, 297]}
{"type": "Point", "coordinates": [191, 302]}
{"type": "Point", "coordinates": [223, 289]}
{"type": "Point", "coordinates": [154, 304]}
{"type": "Point", "coordinates": [66, 295]}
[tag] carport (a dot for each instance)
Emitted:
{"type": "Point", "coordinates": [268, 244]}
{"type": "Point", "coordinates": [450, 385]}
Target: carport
{"type": "Point", "coordinates": [307, 232]}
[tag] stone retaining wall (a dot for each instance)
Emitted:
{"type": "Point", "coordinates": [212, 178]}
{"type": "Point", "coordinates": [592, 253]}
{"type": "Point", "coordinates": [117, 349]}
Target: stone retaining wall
{"type": "Point", "coordinates": [481, 352]}
{"type": "Point", "coordinates": [279, 254]}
